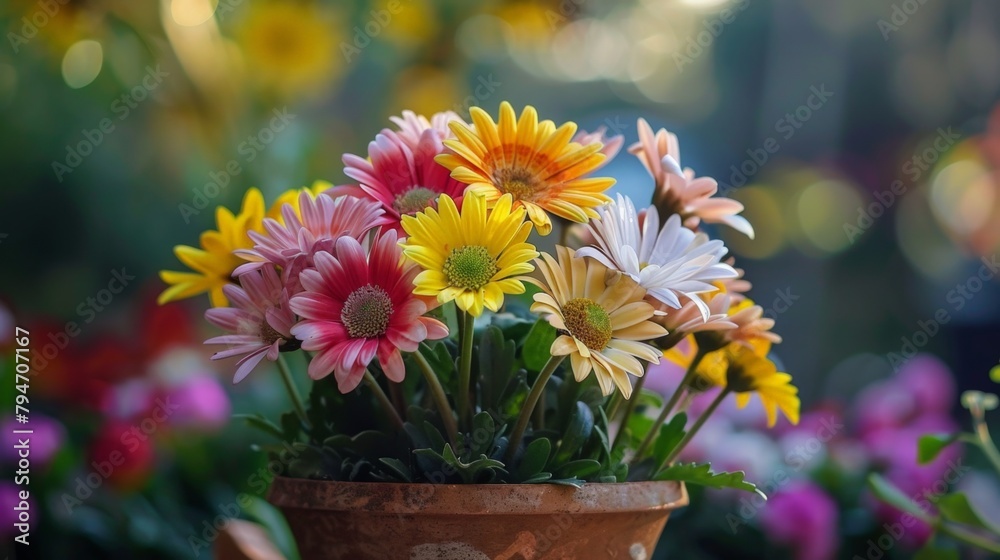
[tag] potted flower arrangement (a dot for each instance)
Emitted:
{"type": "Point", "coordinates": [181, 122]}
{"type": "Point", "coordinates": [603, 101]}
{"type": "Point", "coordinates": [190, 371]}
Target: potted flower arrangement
{"type": "Point", "coordinates": [486, 397]}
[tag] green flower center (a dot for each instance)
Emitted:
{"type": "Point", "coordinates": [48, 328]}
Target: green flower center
{"type": "Point", "coordinates": [587, 322]}
{"type": "Point", "coordinates": [415, 200]}
{"type": "Point", "coordinates": [470, 267]}
{"type": "Point", "coordinates": [366, 312]}
{"type": "Point", "coordinates": [519, 182]}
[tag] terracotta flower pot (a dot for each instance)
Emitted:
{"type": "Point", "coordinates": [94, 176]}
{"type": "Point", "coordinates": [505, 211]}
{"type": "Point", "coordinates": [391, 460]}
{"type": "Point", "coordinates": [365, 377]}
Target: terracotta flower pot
{"type": "Point", "coordinates": [361, 521]}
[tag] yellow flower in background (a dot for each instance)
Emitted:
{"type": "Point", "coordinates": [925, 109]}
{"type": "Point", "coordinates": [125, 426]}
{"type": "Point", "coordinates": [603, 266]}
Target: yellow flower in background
{"type": "Point", "coordinates": [602, 319]}
{"type": "Point", "coordinates": [712, 368]}
{"type": "Point", "coordinates": [426, 90]}
{"type": "Point", "coordinates": [291, 196]}
{"type": "Point", "coordinates": [407, 23]}
{"type": "Point", "coordinates": [743, 368]}
{"type": "Point", "coordinates": [212, 265]}
{"type": "Point", "coordinates": [534, 162]}
{"type": "Point", "coordinates": [750, 374]}
{"type": "Point", "coordinates": [291, 47]}
{"type": "Point", "coordinates": [473, 257]}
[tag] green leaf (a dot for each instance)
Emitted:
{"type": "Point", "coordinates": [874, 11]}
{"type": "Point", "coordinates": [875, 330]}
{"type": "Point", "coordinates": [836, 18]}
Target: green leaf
{"type": "Point", "coordinates": [538, 478]}
{"type": "Point", "coordinates": [274, 523]}
{"type": "Point", "coordinates": [496, 366]}
{"type": "Point", "coordinates": [398, 468]}
{"type": "Point", "coordinates": [536, 454]}
{"type": "Point", "coordinates": [581, 469]}
{"type": "Point", "coordinates": [995, 374]}
{"type": "Point", "coordinates": [538, 345]}
{"type": "Point", "coordinates": [931, 552]}
{"type": "Point", "coordinates": [930, 446]}
{"type": "Point", "coordinates": [261, 423]}
{"type": "Point", "coordinates": [670, 435]}
{"type": "Point", "coordinates": [483, 433]}
{"type": "Point", "coordinates": [701, 473]}
{"type": "Point", "coordinates": [650, 399]}
{"type": "Point", "coordinates": [581, 425]}
{"type": "Point", "coordinates": [890, 494]}
{"type": "Point", "coordinates": [957, 508]}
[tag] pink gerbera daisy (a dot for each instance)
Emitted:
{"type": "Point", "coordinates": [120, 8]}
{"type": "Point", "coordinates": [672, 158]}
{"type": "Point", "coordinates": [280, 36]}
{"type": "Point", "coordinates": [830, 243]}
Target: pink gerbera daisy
{"type": "Point", "coordinates": [611, 145]}
{"type": "Point", "coordinates": [260, 320]}
{"type": "Point", "coordinates": [356, 307]}
{"type": "Point", "coordinates": [400, 172]}
{"type": "Point", "coordinates": [291, 244]}
{"type": "Point", "coordinates": [678, 191]}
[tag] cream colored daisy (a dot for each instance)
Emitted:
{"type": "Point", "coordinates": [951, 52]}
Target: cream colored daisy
{"type": "Point", "coordinates": [602, 319]}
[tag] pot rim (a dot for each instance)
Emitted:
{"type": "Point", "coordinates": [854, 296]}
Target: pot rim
{"type": "Point", "coordinates": [402, 498]}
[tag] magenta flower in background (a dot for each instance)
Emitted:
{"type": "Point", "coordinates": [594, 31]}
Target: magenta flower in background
{"type": "Point", "coordinates": [260, 320]}
{"type": "Point", "coordinates": [202, 404]}
{"type": "Point", "coordinates": [929, 381]}
{"type": "Point", "coordinates": [9, 499]}
{"type": "Point", "coordinates": [49, 435]}
{"type": "Point", "coordinates": [6, 326]}
{"type": "Point", "coordinates": [803, 517]}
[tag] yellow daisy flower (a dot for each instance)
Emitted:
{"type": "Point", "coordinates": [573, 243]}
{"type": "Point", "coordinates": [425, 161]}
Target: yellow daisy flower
{"type": "Point", "coordinates": [214, 262]}
{"type": "Point", "coordinates": [750, 373]}
{"type": "Point", "coordinates": [602, 318]}
{"type": "Point", "coordinates": [742, 368]}
{"type": "Point", "coordinates": [473, 257]}
{"type": "Point", "coordinates": [534, 162]}
{"type": "Point", "coordinates": [711, 370]}
{"type": "Point", "coordinates": [291, 196]}
{"type": "Point", "coordinates": [291, 47]}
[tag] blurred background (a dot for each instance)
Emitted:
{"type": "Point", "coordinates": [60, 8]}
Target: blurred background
{"type": "Point", "coordinates": [863, 137]}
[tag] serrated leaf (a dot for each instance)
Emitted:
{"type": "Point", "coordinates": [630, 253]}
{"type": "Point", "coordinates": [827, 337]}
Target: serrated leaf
{"type": "Point", "coordinates": [261, 423]}
{"type": "Point", "coordinates": [890, 494]}
{"type": "Point", "coordinates": [535, 456]}
{"type": "Point", "coordinates": [670, 435]}
{"type": "Point", "coordinates": [957, 508]}
{"type": "Point", "coordinates": [574, 482]}
{"type": "Point", "coordinates": [537, 345]}
{"type": "Point", "coordinates": [701, 474]}
{"type": "Point", "coordinates": [398, 468]}
{"type": "Point", "coordinates": [930, 446]}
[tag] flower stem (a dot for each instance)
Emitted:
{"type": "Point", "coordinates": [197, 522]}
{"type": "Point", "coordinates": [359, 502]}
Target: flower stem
{"type": "Point", "coordinates": [694, 429]}
{"type": "Point", "coordinates": [529, 405]}
{"type": "Point", "coordinates": [968, 537]}
{"type": "Point", "coordinates": [440, 399]}
{"type": "Point", "coordinates": [629, 407]}
{"type": "Point", "coordinates": [468, 322]}
{"type": "Point", "coordinates": [293, 392]}
{"type": "Point", "coordinates": [985, 441]}
{"type": "Point", "coordinates": [383, 400]}
{"type": "Point", "coordinates": [669, 407]}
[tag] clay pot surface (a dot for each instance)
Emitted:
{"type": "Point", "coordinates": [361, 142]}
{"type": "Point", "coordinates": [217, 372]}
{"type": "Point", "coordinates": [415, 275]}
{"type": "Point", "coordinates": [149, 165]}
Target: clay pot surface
{"type": "Point", "coordinates": [385, 521]}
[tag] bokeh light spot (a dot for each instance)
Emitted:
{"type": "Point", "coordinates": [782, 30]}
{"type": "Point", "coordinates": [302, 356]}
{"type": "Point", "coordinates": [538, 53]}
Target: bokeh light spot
{"type": "Point", "coordinates": [82, 63]}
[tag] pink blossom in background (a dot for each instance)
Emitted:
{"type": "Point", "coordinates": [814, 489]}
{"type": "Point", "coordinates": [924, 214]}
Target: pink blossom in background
{"type": "Point", "coordinates": [202, 404]}
{"type": "Point", "coordinates": [929, 381]}
{"type": "Point", "coordinates": [9, 499]}
{"type": "Point", "coordinates": [803, 517]}
{"type": "Point", "coordinates": [49, 435]}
